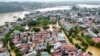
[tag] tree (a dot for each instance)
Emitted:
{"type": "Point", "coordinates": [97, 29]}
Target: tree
{"type": "Point", "coordinates": [38, 53]}
{"type": "Point", "coordinates": [23, 24]}
{"type": "Point", "coordinates": [45, 27]}
{"type": "Point", "coordinates": [20, 28]}
{"type": "Point", "coordinates": [79, 14]}
{"type": "Point", "coordinates": [98, 45]}
{"type": "Point", "coordinates": [77, 46]}
{"type": "Point", "coordinates": [76, 30]}
{"type": "Point", "coordinates": [18, 53]}
{"type": "Point", "coordinates": [96, 31]}
{"type": "Point", "coordinates": [75, 8]}
{"type": "Point", "coordinates": [19, 19]}
{"type": "Point", "coordinates": [43, 21]}
{"type": "Point", "coordinates": [32, 23]}
{"type": "Point", "coordinates": [89, 40]}
{"type": "Point", "coordinates": [36, 29]}
{"type": "Point", "coordinates": [48, 47]}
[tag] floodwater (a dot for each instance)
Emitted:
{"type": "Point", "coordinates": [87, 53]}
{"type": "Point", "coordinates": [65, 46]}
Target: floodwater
{"type": "Point", "coordinates": [94, 50]}
{"type": "Point", "coordinates": [9, 17]}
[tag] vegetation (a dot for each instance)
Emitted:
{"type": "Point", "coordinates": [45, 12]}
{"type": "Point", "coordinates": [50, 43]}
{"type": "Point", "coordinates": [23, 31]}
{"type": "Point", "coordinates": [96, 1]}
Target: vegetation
{"type": "Point", "coordinates": [12, 46]}
{"type": "Point", "coordinates": [36, 29]}
{"type": "Point", "coordinates": [89, 40]}
{"type": "Point", "coordinates": [18, 53]}
{"type": "Point", "coordinates": [19, 19]}
{"type": "Point", "coordinates": [48, 47]}
{"type": "Point", "coordinates": [75, 8]}
{"type": "Point", "coordinates": [98, 45]}
{"type": "Point", "coordinates": [20, 28]}
{"type": "Point", "coordinates": [38, 53]}
{"type": "Point", "coordinates": [96, 31]}
{"type": "Point", "coordinates": [77, 46]}
{"type": "Point", "coordinates": [32, 23]}
{"type": "Point", "coordinates": [45, 27]}
{"type": "Point", "coordinates": [73, 33]}
{"type": "Point", "coordinates": [7, 38]}
{"type": "Point", "coordinates": [43, 21]}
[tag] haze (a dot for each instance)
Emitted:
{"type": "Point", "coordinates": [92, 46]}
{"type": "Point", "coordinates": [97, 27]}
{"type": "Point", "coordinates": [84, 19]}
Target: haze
{"type": "Point", "coordinates": [43, 0]}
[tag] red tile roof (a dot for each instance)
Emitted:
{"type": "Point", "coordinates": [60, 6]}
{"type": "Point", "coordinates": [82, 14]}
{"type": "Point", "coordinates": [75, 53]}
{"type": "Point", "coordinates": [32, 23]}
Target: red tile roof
{"type": "Point", "coordinates": [1, 42]}
{"type": "Point", "coordinates": [96, 40]}
{"type": "Point", "coordinates": [56, 54]}
{"type": "Point", "coordinates": [67, 46]}
{"type": "Point", "coordinates": [84, 54]}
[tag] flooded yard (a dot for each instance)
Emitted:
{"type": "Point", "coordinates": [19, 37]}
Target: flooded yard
{"type": "Point", "coordinates": [94, 50]}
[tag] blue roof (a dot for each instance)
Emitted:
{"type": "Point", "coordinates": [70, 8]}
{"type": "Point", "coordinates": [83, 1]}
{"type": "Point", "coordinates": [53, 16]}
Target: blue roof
{"type": "Point", "coordinates": [68, 26]}
{"type": "Point", "coordinates": [44, 54]}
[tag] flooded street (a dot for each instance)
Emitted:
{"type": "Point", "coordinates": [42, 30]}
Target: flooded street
{"type": "Point", "coordinates": [94, 50]}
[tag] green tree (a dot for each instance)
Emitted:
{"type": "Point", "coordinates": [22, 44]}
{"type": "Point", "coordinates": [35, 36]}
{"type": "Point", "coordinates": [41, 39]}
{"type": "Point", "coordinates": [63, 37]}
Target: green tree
{"type": "Point", "coordinates": [20, 28]}
{"type": "Point", "coordinates": [96, 31]}
{"type": "Point", "coordinates": [89, 40]}
{"type": "Point", "coordinates": [38, 53]}
{"type": "Point", "coordinates": [32, 23]}
{"type": "Point", "coordinates": [36, 29]}
{"type": "Point", "coordinates": [98, 45]}
{"type": "Point", "coordinates": [48, 47]}
{"type": "Point", "coordinates": [77, 46]}
{"type": "Point", "coordinates": [43, 21]}
{"type": "Point", "coordinates": [45, 27]}
{"type": "Point", "coordinates": [19, 19]}
{"type": "Point", "coordinates": [75, 8]}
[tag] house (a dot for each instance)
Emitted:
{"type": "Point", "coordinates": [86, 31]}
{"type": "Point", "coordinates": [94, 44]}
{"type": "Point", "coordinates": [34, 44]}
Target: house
{"type": "Point", "coordinates": [84, 54]}
{"type": "Point", "coordinates": [61, 38]}
{"type": "Point", "coordinates": [68, 26]}
{"type": "Point", "coordinates": [52, 18]}
{"type": "Point", "coordinates": [96, 40]}
{"type": "Point", "coordinates": [91, 32]}
{"type": "Point", "coordinates": [57, 45]}
{"type": "Point", "coordinates": [44, 54]}
{"type": "Point", "coordinates": [3, 50]}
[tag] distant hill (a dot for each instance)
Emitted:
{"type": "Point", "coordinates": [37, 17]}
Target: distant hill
{"type": "Point", "coordinates": [15, 6]}
{"type": "Point", "coordinates": [21, 6]}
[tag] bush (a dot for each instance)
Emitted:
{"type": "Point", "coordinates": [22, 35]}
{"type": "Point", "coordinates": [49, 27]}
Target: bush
{"type": "Point", "coordinates": [23, 24]}
{"type": "Point", "coordinates": [38, 53]}
{"type": "Point", "coordinates": [98, 45]}
{"type": "Point", "coordinates": [45, 27]}
{"type": "Point", "coordinates": [48, 47]}
{"type": "Point", "coordinates": [84, 44]}
{"type": "Point", "coordinates": [77, 46]}
{"type": "Point", "coordinates": [20, 28]}
{"type": "Point", "coordinates": [83, 49]}
{"type": "Point", "coordinates": [18, 53]}
{"type": "Point", "coordinates": [89, 40]}
{"type": "Point", "coordinates": [96, 31]}
{"type": "Point", "coordinates": [19, 19]}
{"type": "Point", "coordinates": [32, 23]}
{"type": "Point", "coordinates": [36, 29]}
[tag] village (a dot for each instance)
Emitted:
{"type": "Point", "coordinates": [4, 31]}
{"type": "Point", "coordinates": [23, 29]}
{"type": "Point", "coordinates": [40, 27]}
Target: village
{"type": "Point", "coordinates": [72, 32]}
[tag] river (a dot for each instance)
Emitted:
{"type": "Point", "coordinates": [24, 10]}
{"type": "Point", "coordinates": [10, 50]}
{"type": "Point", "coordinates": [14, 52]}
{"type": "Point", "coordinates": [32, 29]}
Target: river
{"type": "Point", "coordinates": [8, 17]}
